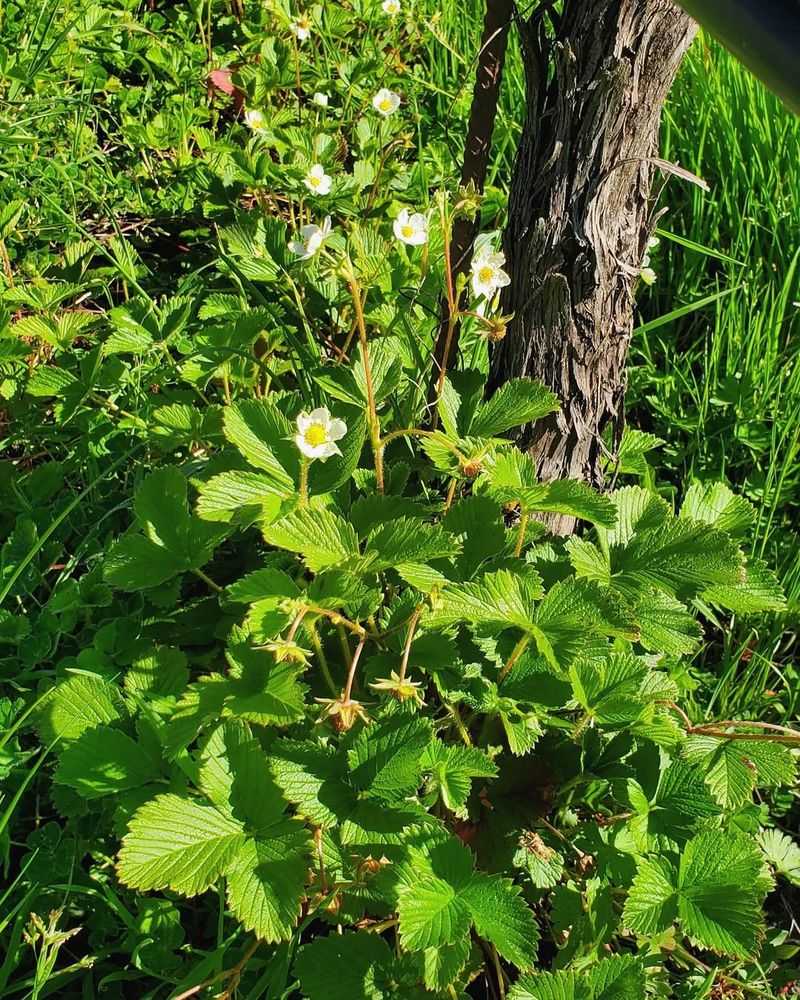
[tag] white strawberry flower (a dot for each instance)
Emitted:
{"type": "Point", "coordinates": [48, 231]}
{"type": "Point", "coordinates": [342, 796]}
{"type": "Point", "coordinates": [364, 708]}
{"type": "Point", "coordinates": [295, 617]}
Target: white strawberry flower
{"type": "Point", "coordinates": [411, 229]}
{"type": "Point", "coordinates": [317, 181]}
{"type": "Point", "coordinates": [311, 239]}
{"type": "Point", "coordinates": [321, 99]}
{"type": "Point", "coordinates": [647, 274]}
{"type": "Point", "coordinates": [391, 7]}
{"type": "Point", "coordinates": [318, 432]}
{"type": "Point", "coordinates": [301, 27]}
{"type": "Point", "coordinates": [386, 102]}
{"type": "Point", "coordinates": [255, 119]}
{"type": "Point", "coordinates": [487, 273]}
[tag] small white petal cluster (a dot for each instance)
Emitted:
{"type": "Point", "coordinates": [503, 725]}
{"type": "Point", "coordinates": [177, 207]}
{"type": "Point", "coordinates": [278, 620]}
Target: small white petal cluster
{"type": "Point", "coordinates": [311, 239]}
{"type": "Point", "coordinates": [318, 432]}
{"type": "Point", "coordinates": [255, 119]}
{"type": "Point", "coordinates": [488, 275]}
{"type": "Point", "coordinates": [647, 274]}
{"type": "Point", "coordinates": [301, 27]}
{"type": "Point", "coordinates": [411, 229]}
{"type": "Point", "coordinates": [321, 99]}
{"type": "Point", "coordinates": [386, 102]}
{"type": "Point", "coordinates": [317, 181]}
{"type": "Point", "coordinates": [391, 7]}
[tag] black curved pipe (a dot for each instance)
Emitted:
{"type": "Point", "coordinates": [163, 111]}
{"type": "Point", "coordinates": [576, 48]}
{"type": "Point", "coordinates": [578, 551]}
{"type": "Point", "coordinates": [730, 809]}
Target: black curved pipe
{"type": "Point", "coordinates": [763, 34]}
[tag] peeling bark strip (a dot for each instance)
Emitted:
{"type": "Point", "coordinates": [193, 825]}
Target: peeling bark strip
{"type": "Point", "coordinates": [579, 217]}
{"type": "Point", "coordinates": [483, 112]}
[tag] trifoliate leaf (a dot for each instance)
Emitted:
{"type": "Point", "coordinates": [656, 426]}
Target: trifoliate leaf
{"type": "Point", "coordinates": [266, 880]}
{"type": "Point", "coordinates": [716, 894]}
{"type": "Point", "coordinates": [451, 770]}
{"type": "Point", "coordinates": [511, 478]}
{"type": "Point", "coordinates": [782, 853]}
{"type": "Point", "coordinates": [174, 842]}
{"type": "Point", "coordinates": [103, 761]}
{"type": "Point", "coordinates": [733, 768]}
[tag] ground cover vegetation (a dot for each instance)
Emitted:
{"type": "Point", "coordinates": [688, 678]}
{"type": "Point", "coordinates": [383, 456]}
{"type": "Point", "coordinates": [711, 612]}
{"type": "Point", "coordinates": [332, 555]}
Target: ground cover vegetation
{"type": "Point", "coordinates": [299, 697]}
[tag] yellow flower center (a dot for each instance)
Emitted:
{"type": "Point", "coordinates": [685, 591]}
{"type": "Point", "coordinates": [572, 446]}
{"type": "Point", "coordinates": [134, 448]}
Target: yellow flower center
{"type": "Point", "coordinates": [316, 435]}
{"type": "Point", "coordinates": [486, 274]}
{"type": "Point", "coordinates": [314, 181]}
{"type": "Point", "coordinates": [303, 23]}
{"type": "Point", "coordinates": [386, 104]}
{"type": "Point", "coordinates": [407, 231]}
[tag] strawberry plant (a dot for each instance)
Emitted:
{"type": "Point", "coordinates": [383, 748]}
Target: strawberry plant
{"type": "Point", "coordinates": [302, 697]}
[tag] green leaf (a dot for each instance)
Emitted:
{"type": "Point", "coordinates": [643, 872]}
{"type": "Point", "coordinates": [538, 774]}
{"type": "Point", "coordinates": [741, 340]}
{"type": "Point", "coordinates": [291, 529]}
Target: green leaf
{"type": "Point", "coordinates": [680, 557]}
{"type": "Point", "coordinates": [163, 671]}
{"type": "Point", "coordinates": [512, 478]}
{"type": "Point", "coordinates": [135, 563]}
{"type": "Point", "coordinates": [759, 591]}
{"type": "Point", "coordinates": [721, 891]}
{"type": "Point", "coordinates": [733, 768]}
{"type": "Point", "coordinates": [323, 538]}
{"type": "Point", "coordinates": [618, 978]}
{"type": "Point", "coordinates": [716, 894]}
{"type": "Point", "coordinates": [103, 761]}
{"type": "Point", "coordinates": [782, 853]}
{"type": "Point", "coordinates": [519, 401]}
{"type": "Point", "coordinates": [312, 777]}
{"type": "Point", "coordinates": [614, 690]}
{"type": "Point", "coordinates": [177, 843]}
{"type": "Point", "coordinates": [574, 614]}
{"type": "Point", "coordinates": [502, 599]}
{"type": "Point", "coordinates": [451, 770]}
{"type": "Point", "coordinates": [266, 881]}
{"type": "Point", "coordinates": [502, 916]}
{"type": "Point", "coordinates": [238, 496]}
{"type": "Point", "coordinates": [76, 705]}
{"type": "Point", "coordinates": [652, 903]}
{"type": "Point", "coordinates": [263, 435]}
{"type": "Point", "coordinates": [717, 505]}
{"type": "Point", "coordinates": [407, 540]}
{"type": "Point", "coordinates": [432, 915]}
{"type": "Point", "coordinates": [385, 758]}
{"type": "Point", "coordinates": [543, 863]}
{"type": "Point", "coordinates": [665, 624]}
{"type": "Point", "coordinates": [360, 962]}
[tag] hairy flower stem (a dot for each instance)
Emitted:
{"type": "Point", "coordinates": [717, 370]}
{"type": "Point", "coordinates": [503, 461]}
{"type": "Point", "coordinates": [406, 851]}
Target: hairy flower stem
{"type": "Point", "coordinates": [372, 411]}
{"type": "Point", "coordinates": [352, 672]}
{"type": "Point", "coordinates": [523, 527]}
{"type": "Point", "coordinates": [322, 660]}
{"type": "Point", "coordinates": [517, 651]}
{"type": "Point", "coordinates": [412, 628]}
{"type": "Point", "coordinates": [303, 485]}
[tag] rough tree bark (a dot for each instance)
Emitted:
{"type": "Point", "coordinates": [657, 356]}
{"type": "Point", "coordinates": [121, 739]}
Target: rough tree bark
{"type": "Point", "coordinates": [579, 214]}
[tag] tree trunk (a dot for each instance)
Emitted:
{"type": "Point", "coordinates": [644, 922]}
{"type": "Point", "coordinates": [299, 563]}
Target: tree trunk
{"type": "Point", "coordinates": [579, 215]}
